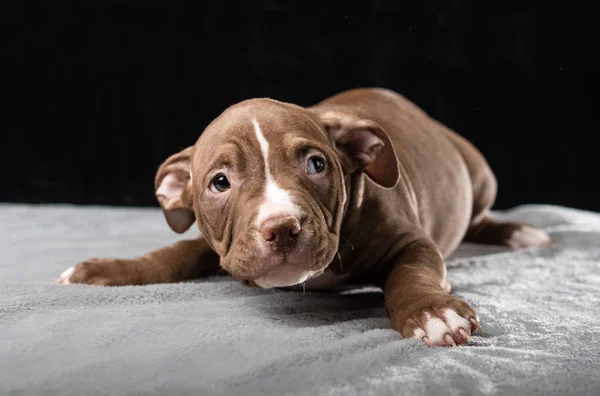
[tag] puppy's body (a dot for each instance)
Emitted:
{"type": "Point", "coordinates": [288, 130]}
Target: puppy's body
{"type": "Point", "coordinates": [363, 187]}
{"type": "Point", "coordinates": [434, 192]}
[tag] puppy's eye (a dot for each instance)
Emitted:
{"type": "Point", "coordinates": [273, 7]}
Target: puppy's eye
{"type": "Point", "coordinates": [219, 184]}
{"type": "Point", "coordinates": [315, 165]}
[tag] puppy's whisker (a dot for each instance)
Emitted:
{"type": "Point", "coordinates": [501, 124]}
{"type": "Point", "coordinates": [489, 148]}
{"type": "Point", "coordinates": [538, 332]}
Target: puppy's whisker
{"type": "Point", "coordinates": [339, 256]}
{"type": "Point", "coordinates": [303, 287]}
{"type": "Point", "coordinates": [222, 271]}
{"type": "Point", "coordinates": [347, 241]}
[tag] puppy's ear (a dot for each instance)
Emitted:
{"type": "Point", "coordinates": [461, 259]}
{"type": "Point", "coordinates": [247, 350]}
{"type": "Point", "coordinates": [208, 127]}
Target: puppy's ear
{"type": "Point", "coordinates": [363, 144]}
{"type": "Point", "coordinates": [173, 187]}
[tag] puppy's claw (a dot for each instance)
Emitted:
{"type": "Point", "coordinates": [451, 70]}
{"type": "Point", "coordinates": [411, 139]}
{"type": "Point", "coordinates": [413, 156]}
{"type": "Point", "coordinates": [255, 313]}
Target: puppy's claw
{"type": "Point", "coordinates": [426, 341]}
{"type": "Point", "coordinates": [475, 325]}
{"type": "Point", "coordinates": [449, 340]}
{"type": "Point", "coordinates": [463, 333]}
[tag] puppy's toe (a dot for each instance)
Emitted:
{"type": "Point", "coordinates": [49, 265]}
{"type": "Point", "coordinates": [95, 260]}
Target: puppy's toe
{"type": "Point", "coordinates": [445, 329]}
{"type": "Point", "coordinates": [65, 277]}
{"type": "Point", "coordinates": [460, 326]}
{"type": "Point", "coordinates": [438, 332]}
{"type": "Point", "coordinates": [527, 236]}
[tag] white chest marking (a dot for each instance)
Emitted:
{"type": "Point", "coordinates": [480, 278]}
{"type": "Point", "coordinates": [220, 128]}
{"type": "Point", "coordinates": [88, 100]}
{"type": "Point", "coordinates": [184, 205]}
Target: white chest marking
{"type": "Point", "coordinates": [277, 200]}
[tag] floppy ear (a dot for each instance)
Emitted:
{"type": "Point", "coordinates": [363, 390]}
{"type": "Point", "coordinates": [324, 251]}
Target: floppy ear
{"type": "Point", "coordinates": [365, 145]}
{"type": "Point", "coordinates": [174, 190]}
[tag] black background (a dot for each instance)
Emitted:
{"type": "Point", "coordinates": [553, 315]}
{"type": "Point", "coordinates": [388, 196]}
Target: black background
{"type": "Point", "coordinates": [98, 94]}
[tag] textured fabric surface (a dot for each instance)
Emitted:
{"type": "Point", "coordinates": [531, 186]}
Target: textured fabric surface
{"type": "Point", "coordinates": [540, 309]}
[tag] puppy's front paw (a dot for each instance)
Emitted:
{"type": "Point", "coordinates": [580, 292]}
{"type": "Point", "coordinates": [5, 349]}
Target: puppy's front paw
{"type": "Point", "coordinates": [437, 320]}
{"type": "Point", "coordinates": [101, 272]}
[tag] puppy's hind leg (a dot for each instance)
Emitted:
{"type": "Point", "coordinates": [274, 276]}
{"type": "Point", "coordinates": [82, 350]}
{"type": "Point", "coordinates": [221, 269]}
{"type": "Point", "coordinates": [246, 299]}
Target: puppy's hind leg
{"type": "Point", "coordinates": [513, 234]}
{"type": "Point", "coordinates": [484, 229]}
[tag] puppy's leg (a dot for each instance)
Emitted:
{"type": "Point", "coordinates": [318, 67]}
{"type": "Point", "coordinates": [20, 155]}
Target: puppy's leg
{"type": "Point", "coordinates": [483, 229]}
{"type": "Point", "coordinates": [416, 301]}
{"type": "Point", "coordinates": [181, 261]}
{"type": "Point", "coordinates": [513, 234]}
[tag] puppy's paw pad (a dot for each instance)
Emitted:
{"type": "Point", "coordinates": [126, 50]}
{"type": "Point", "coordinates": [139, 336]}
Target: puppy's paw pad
{"type": "Point", "coordinates": [528, 236]}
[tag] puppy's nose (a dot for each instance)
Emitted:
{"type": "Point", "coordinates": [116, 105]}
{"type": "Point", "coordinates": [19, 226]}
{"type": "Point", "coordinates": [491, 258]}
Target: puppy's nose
{"type": "Point", "coordinates": [281, 232]}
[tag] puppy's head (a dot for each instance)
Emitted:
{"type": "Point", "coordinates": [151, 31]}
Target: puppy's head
{"type": "Point", "coordinates": [265, 183]}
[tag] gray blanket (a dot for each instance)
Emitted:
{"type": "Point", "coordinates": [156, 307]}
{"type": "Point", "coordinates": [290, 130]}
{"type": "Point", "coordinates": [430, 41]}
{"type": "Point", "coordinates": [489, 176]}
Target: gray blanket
{"type": "Point", "coordinates": [540, 309]}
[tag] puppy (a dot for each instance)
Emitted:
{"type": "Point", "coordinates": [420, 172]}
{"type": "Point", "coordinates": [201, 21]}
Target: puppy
{"type": "Point", "coordinates": [362, 188]}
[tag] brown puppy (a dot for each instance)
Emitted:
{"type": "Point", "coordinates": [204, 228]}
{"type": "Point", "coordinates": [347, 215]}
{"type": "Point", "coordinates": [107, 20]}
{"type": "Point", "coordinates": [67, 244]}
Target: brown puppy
{"type": "Point", "coordinates": [364, 186]}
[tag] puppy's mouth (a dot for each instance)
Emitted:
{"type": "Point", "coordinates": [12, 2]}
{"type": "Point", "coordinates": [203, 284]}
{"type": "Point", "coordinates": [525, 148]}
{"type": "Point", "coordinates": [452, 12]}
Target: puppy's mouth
{"type": "Point", "coordinates": [284, 275]}
{"type": "Point", "coordinates": [270, 265]}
